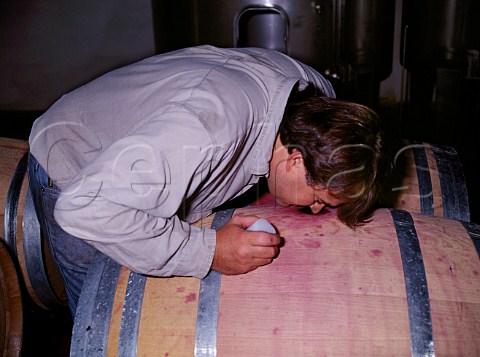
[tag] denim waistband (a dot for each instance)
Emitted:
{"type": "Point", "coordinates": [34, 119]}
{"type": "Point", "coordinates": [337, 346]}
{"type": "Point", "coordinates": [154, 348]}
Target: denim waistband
{"type": "Point", "coordinates": [41, 175]}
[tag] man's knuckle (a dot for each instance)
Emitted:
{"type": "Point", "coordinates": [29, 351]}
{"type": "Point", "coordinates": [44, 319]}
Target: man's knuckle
{"type": "Point", "coordinates": [242, 254]}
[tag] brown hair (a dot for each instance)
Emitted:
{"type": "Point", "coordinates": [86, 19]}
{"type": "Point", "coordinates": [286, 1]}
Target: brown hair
{"type": "Point", "coordinates": [341, 147]}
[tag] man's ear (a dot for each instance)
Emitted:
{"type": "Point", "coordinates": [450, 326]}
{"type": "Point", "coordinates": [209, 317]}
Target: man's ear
{"type": "Point", "coordinates": [295, 160]}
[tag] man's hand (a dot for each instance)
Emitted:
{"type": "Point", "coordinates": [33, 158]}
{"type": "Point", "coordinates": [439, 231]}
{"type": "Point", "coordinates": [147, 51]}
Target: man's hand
{"type": "Point", "coordinates": [239, 251]}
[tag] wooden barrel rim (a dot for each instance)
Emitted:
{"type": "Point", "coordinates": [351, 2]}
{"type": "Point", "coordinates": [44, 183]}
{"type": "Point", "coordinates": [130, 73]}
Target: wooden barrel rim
{"type": "Point", "coordinates": [209, 300]}
{"type": "Point", "coordinates": [31, 250]}
{"type": "Point", "coordinates": [452, 182]}
{"type": "Point", "coordinates": [11, 203]}
{"type": "Point", "coordinates": [11, 308]}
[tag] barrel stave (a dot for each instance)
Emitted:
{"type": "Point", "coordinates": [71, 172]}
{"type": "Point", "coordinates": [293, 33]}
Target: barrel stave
{"type": "Point", "coordinates": [452, 268]}
{"type": "Point", "coordinates": [39, 271]}
{"type": "Point", "coordinates": [11, 306]}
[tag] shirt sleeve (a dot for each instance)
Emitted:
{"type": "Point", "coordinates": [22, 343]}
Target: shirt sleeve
{"type": "Point", "coordinates": [125, 203]}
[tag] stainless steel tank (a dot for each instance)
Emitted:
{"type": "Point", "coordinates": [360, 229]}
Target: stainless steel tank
{"type": "Point", "coordinates": [440, 51]}
{"type": "Point", "coordinates": [306, 30]}
{"type": "Point", "coordinates": [347, 40]}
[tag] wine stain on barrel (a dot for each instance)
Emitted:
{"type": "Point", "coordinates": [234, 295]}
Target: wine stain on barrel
{"type": "Point", "coordinates": [311, 243]}
{"type": "Point", "coordinates": [190, 298]}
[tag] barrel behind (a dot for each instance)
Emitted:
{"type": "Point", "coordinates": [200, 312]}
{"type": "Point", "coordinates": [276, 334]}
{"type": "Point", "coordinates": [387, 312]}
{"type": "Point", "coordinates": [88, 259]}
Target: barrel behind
{"type": "Point", "coordinates": [21, 230]}
{"type": "Point", "coordinates": [11, 153]}
{"type": "Point", "coordinates": [404, 284]}
{"type": "Point", "coordinates": [429, 179]}
{"type": "Point", "coordinates": [11, 308]}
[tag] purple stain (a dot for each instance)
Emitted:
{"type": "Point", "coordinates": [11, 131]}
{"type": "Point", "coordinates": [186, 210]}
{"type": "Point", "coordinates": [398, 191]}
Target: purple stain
{"type": "Point", "coordinates": [311, 243]}
{"type": "Point", "coordinates": [190, 298]}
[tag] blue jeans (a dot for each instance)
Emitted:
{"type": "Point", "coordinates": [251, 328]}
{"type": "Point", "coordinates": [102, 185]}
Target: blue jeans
{"type": "Point", "coordinates": [72, 255]}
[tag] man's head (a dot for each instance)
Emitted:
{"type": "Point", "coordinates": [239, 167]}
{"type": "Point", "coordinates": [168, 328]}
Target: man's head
{"type": "Point", "coordinates": [327, 154]}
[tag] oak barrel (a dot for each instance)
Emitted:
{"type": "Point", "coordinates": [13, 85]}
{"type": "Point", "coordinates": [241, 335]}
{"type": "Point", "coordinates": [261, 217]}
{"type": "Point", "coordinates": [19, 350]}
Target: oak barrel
{"type": "Point", "coordinates": [404, 284]}
{"type": "Point", "coordinates": [429, 179]}
{"type": "Point", "coordinates": [21, 229]}
{"type": "Point", "coordinates": [11, 309]}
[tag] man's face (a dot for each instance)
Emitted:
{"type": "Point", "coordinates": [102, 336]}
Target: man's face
{"type": "Point", "coordinates": [288, 184]}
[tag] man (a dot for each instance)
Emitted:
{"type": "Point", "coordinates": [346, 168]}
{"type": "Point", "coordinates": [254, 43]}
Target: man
{"type": "Point", "coordinates": [127, 162]}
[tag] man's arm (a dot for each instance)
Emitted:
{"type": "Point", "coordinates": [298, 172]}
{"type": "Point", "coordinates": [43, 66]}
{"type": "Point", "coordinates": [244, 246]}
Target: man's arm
{"type": "Point", "coordinates": [124, 202]}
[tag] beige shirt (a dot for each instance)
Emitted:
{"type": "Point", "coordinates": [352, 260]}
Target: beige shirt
{"type": "Point", "coordinates": [145, 150]}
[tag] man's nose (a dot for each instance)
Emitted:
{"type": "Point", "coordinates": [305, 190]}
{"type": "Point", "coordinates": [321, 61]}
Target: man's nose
{"type": "Point", "coordinates": [317, 207]}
